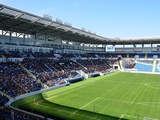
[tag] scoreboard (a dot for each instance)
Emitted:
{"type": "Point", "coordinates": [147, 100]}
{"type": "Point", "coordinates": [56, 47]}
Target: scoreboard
{"type": "Point", "coordinates": [110, 48]}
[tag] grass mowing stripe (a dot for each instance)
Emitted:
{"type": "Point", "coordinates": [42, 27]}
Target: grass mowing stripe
{"type": "Point", "coordinates": [142, 109]}
{"type": "Point", "coordinates": [132, 117]}
{"type": "Point", "coordinates": [87, 104]}
{"type": "Point", "coordinates": [130, 93]}
{"type": "Point", "coordinates": [107, 91]}
{"type": "Point", "coordinates": [110, 92]}
{"type": "Point", "coordinates": [135, 86]}
{"type": "Point", "coordinates": [64, 111]}
{"type": "Point", "coordinates": [79, 85]}
{"type": "Point", "coordinates": [150, 98]}
{"type": "Point", "coordinates": [127, 103]}
{"type": "Point", "coordinates": [117, 94]}
{"type": "Point", "coordinates": [155, 93]}
{"type": "Point", "coordinates": [77, 90]}
{"type": "Point", "coordinates": [157, 99]}
{"type": "Point", "coordinates": [97, 94]}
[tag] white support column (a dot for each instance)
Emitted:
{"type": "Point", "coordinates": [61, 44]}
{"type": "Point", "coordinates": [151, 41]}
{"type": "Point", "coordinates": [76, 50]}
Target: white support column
{"type": "Point", "coordinates": [151, 47]}
{"type": "Point", "coordinates": [104, 48]}
{"type": "Point", "coordinates": [10, 36]}
{"type": "Point", "coordinates": [114, 48]}
{"type": "Point", "coordinates": [24, 38]}
{"type": "Point", "coordinates": [45, 38]}
{"type": "Point", "coordinates": [96, 47]}
{"type": "Point", "coordinates": [142, 47]}
{"type": "Point", "coordinates": [134, 46]}
{"type": "Point", "coordinates": [35, 39]}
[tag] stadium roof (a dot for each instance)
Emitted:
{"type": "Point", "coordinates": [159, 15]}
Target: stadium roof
{"type": "Point", "coordinates": [15, 20]}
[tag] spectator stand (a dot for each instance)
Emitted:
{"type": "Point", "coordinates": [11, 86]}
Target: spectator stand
{"type": "Point", "coordinates": [33, 75]}
{"type": "Point", "coordinates": [29, 114]}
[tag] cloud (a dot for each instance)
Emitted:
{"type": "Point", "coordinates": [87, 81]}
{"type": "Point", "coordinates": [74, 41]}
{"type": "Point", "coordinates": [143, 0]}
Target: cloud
{"type": "Point", "coordinates": [3, 2]}
{"type": "Point", "coordinates": [48, 11]}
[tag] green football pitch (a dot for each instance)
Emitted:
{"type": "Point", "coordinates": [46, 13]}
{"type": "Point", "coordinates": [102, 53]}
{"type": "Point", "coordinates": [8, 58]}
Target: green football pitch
{"type": "Point", "coordinates": [115, 96]}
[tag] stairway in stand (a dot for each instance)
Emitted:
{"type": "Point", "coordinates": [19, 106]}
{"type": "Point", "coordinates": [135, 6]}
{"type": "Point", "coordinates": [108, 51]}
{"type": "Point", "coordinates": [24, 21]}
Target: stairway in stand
{"type": "Point", "coordinates": [121, 65]}
{"type": "Point", "coordinates": [154, 66]}
{"type": "Point", "coordinates": [32, 75]}
{"type": "Point", "coordinates": [2, 93]}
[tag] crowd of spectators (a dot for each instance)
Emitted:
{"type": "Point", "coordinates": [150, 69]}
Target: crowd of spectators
{"type": "Point", "coordinates": [51, 71]}
{"type": "Point", "coordinates": [128, 63]}
{"type": "Point", "coordinates": [42, 55]}
{"type": "Point", "coordinates": [3, 100]}
{"type": "Point", "coordinates": [96, 65]}
{"type": "Point", "coordinates": [14, 80]}
{"type": "Point", "coordinates": [6, 113]}
{"type": "Point", "coordinates": [11, 54]}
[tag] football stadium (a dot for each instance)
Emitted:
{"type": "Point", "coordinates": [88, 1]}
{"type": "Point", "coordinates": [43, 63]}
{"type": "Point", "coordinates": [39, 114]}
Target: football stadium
{"type": "Point", "coordinates": [50, 70]}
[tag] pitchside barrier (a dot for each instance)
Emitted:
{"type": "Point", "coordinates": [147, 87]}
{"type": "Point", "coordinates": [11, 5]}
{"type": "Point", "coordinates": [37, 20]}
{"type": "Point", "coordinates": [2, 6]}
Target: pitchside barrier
{"type": "Point", "coordinates": [94, 75]}
{"type": "Point", "coordinates": [47, 89]}
{"type": "Point", "coordinates": [77, 79]}
{"type": "Point", "coordinates": [41, 91]}
{"type": "Point", "coordinates": [30, 94]}
{"type": "Point", "coordinates": [99, 74]}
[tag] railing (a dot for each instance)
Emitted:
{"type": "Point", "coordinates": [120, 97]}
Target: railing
{"type": "Point", "coordinates": [29, 94]}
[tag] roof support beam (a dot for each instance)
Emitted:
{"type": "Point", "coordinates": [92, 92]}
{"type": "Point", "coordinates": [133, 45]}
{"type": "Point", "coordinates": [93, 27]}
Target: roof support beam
{"type": "Point", "coordinates": [20, 34]}
{"type": "Point", "coordinates": [35, 20]}
{"type": "Point", "coordinates": [48, 24]}
{"type": "Point", "coordinates": [10, 36]}
{"type": "Point", "coordinates": [18, 15]}
{"type": "Point", "coordinates": [6, 32]}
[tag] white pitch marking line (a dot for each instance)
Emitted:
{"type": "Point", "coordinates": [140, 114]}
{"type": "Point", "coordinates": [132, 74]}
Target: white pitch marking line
{"type": "Point", "coordinates": [67, 111]}
{"type": "Point", "coordinates": [86, 104]}
{"type": "Point", "coordinates": [121, 116]}
{"type": "Point", "coordinates": [133, 116]}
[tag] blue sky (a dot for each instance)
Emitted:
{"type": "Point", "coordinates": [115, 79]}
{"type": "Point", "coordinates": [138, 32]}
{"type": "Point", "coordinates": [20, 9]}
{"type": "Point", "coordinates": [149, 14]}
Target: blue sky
{"type": "Point", "coordinates": [107, 18]}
